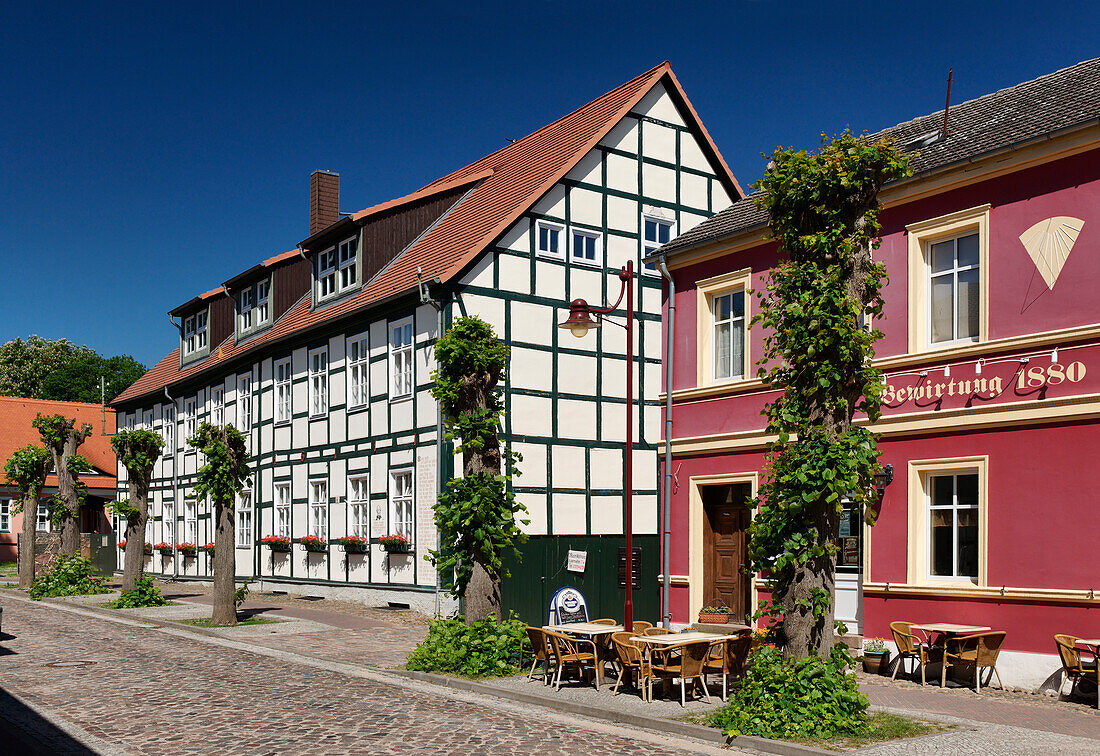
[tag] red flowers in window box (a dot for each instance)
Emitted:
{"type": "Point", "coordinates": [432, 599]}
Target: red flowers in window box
{"type": "Point", "coordinates": [164, 548]}
{"type": "Point", "coordinates": [354, 544]}
{"type": "Point", "coordinates": [314, 543]}
{"type": "Point", "coordinates": [395, 543]}
{"type": "Point", "coordinates": [276, 542]}
{"type": "Point", "coordinates": [208, 548]}
{"type": "Point", "coordinates": [188, 549]}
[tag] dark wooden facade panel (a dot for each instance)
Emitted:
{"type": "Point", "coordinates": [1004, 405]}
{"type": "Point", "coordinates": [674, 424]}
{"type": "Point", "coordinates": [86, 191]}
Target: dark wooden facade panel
{"type": "Point", "coordinates": [289, 282]}
{"type": "Point", "coordinates": [222, 315]}
{"type": "Point", "coordinates": [386, 235]}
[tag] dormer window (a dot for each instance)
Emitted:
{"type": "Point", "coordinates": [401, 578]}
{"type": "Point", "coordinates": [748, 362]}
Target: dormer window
{"type": "Point", "coordinates": [347, 263]}
{"type": "Point", "coordinates": [337, 268]}
{"type": "Point", "coordinates": [194, 333]}
{"type": "Point", "coordinates": [252, 307]}
{"type": "Point", "coordinates": [246, 310]}
{"type": "Point", "coordinates": [262, 289]}
{"type": "Point", "coordinates": [326, 273]}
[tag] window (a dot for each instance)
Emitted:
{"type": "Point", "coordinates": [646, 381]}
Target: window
{"type": "Point", "coordinates": [244, 519]}
{"type": "Point", "coordinates": [585, 247]}
{"type": "Point", "coordinates": [147, 420]}
{"type": "Point", "coordinates": [244, 403]}
{"type": "Point", "coordinates": [358, 369]}
{"type": "Point", "coordinates": [131, 421]}
{"type": "Point", "coordinates": [954, 289]}
{"type": "Point", "coordinates": [282, 391]}
{"type": "Point", "coordinates": [42, 523]}
{"type": "Point", "coordinates": [217, 405]}
{"type": "Point", "coordinates": [190, 521]}
{"type": "Point", "coordinates": [359, 502]}
{"type": "Point", "coordinates": [401, 503]}
{"type": "Point", "coordinates": [401, 359]}
{"type": "Point", "coordinates": [728, 345]}
{"type": "Point", "coordinates": [168, 433]}
{"type": "Point", "coordinates": [548, 240]}
{"type": "Point", "coordinates": [245, 318]}
{"type": "Point", "coordinates": [346, 261]}
{"type": "Point", "coordinates": [849, 556]}
{"type": "Point", "coordinates": [167, 523]}
{"type": "Point", "coordinates": [194, 333]}
{"type": "Point", "coordinates": [189, 407]}
{"type": "Point", "coordinates": [262, 290]}
{"type": "Point", "coordinates": [318, 383]}
{"type": "Point", "coordinates": [149, 530]}
{"type": "Point", "coordinates": [953, 526]}
{"type": "Point", "coordinates": [5, 515]}
{"type": "Point", "coordinates": [282, 509]}
{"type": "Point", "coordinates": [318, 508]}
{"type": "Point", "coordinates": [326, 273]}
{"type": "Point", "coordinates": [655, 233]}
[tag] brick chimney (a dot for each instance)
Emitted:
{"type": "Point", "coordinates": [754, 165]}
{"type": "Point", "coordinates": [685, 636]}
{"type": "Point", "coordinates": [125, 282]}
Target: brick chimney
{"type": "Point", "coordinates": [324, 200]}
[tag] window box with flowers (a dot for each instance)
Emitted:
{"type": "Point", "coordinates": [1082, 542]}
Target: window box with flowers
{"type": "Point", "coordinates": [353, 544]}
{"type": "Point", "coordinates": [208, 549]}
{"type": "Point", "coordinates": [188, 549]}
{"type": "Point", "coordinates": [715, 613]}
{"type": "Point", "coordinates": [148, 550]}
{"type": "Point", "coordinates": [164, 548]}
{"type": "Point", "coordinates": [276, 542]}
{"type": "Point", "coordinates": [395, 544]}
{"type": "Point", "coordinates": [314, 544]}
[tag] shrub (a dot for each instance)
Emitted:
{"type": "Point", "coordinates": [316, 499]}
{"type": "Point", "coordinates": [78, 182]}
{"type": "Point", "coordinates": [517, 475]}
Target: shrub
{"type": "Point", "coordinates": [69, 576]}
{"type": "Point", "coordinates": [144, 593]}
{"type": "Point", "coordinates": [799, 698]}
{"type": "Point", "coordinates": [487, 648]}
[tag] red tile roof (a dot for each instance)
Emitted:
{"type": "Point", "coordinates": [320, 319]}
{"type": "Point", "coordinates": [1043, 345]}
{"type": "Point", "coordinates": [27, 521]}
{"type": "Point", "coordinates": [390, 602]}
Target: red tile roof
{"type": "Point", "coordinates": [511, 180]}
{"type": "Point", "coordinates": [16, 431]}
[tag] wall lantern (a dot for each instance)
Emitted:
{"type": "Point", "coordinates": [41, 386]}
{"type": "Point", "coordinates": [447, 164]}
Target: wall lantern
{"type": "Point", "coordinates": [884, 477]}
{"type": "Point", "coordinates": [580, 319]}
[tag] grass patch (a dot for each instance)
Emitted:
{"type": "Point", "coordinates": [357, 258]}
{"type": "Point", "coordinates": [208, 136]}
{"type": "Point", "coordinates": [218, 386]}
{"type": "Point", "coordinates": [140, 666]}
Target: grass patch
{"type": "Point", "coordinates": [253, 620]}
{"type": "Point", "coordinates": [12, 586]}
{"type": "Point", "coordinates": [881, 727]}
{"type": "Point", "coordinates": [7, 569]}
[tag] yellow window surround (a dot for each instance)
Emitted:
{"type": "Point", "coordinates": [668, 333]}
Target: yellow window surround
{"type": "Point", "coordinates": [706, 290]}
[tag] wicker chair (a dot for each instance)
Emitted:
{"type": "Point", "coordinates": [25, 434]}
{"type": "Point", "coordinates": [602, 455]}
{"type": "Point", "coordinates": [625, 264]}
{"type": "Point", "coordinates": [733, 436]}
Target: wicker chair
{"type": "Point", "coordinates": [641, 625]}
{"type": "Point", "coordinates": [1073, 666]}
{"type": "Point", "coordinates": [604, 622]}
{"type": "Point", "coordinates": [981, 650]}
{"type": "Point", "coordinates": [631, 660]}
{"type": "Point", "coordinates": [573, 652]}
{"type": "Point", "coordinates": [728, 657]}
{"type": "Point", "coordinates": [685, 660]}
{"type": "Point", "coordinates": [655, 631]}
{"type": "Point", "coordinates": [909, 647]}
{"type": "Point", "coordinates": [541, 651]}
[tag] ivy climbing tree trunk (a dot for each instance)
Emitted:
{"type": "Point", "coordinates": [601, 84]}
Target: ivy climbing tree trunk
{"type": "Point", "coordinates": [137, 451]}
{"type": "Point", "coordinates": [62, 439]}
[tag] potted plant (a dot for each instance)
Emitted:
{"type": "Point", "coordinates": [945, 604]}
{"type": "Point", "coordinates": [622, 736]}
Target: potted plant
{"type": "Point", "coordinates": [276, 542]}
{"type": "Point", "coordinates": [208, 548]}
{"type": "Point", "coordinates": [395, 544]}
{"type": "Point", "coordinates": [876, 657]}
{"type": "Point", "coordinates": [313, 543]}
{"type": "Point", "coordinates": [353, 544]}
{"type": "Point", "coordinates": [715, 613]}
{"type": "Point", "coordinates": [188, 549]}
{"type": "Point", "coordinates": [148, 549]}
{"type": "Point", "coordinates": [164, 548]}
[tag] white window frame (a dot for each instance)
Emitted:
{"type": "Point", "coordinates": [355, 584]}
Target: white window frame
{"type": "Point", "coordinates": [190, 409]}
{"type": "Point", "coordinates": [347, 262]}
{"type": "Point", "coordinates": [358, 357]}
{"type": "Point", "coordinates": [649, 246]}
{"type": "Point", "coordinates": [406, 500]}
{"type": "Point", "coordinates": [149, 530]}
{"type": "Point", "coordinates": [597, 239]}
{"type": "Point", "coordinates": [954, 508]}
{"type": "Point", "coordinates": [244, 404]}
{"type": "Point", "coordinates": [318, 507]}
{"type": "Point", "coordinates": [359, 505]}
{"type": "Point", "coordinates": [283, 504]}
{"type": "Point", "coordinates": [194, 333]}
{"type": "Point", "coordinates": [244, 520]}
{"type": "Point", "coordinates": [5, 514]}
{"type": "Point", "coordinates": [147, 420]}
{"type": "Point", "coordinates": [42, 522]}
{"type": "Point", "coordinates": [168, 431]}
{"type": "Point", "coordinates": [284, 390]}
{"type": "Point", "coordinates": [919, 539]}
{"type": "Point", "coordinates": [550, 226]}
{"type": "Point", "coordinates": [217, 405]}
{"type": "Point", "coordinates": [318, 382]}
{"type": "Point", "coordinates": [191, 521]}
{"type": "Point", "coordinates": [263, 292]}
{"type": "Point", "coordinates": [244, 318]}
{"type": "Point", "coordinates": [738, 322]}
{"type": "Point", "coordinates": [326, 274]}
{"type": "Point", "coordinates": [167, 517]}
{"type": "Point", "coordinates": [953, 274]}
{"type": "Point", "coordinates": [402, 374]}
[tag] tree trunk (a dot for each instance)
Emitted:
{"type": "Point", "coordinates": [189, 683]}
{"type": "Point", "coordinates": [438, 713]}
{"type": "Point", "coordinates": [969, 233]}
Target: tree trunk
{"type": "Point", "coordinates": [225, 613]}
{"type": "Point", "coordinates": [134, 562]}
{"type": "Point", "coordinates": [70, 534]}
{"type": "Point", "coordinates": [26, 541]}
{"type": "Point", "coordinates": [482, 595]}
{"type": "Point", "coordinates": [804, 634]}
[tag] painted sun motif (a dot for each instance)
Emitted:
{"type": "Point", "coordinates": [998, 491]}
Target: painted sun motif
{"type": "Point", "coordinates": [1049, 243]}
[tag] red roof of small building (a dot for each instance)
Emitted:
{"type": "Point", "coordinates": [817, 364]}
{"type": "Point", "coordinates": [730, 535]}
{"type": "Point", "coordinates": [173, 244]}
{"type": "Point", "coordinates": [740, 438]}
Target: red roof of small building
{"type": "Point", "coordinates": [16, 431]}
{"type": "Point", "coordinates": [511, 180]}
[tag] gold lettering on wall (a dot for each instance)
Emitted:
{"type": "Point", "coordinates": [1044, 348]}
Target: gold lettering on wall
{"type": "Point", "coordinates": [1028, 379]}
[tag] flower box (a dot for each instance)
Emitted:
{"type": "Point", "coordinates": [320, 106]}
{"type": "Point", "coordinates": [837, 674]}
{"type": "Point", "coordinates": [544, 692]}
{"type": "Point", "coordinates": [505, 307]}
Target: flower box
{"type": "Point", "coordinates": [165, 549]}
{"type": "Point", "coordinates": [208, 548]}
{"type": "Point", "coordinates": [314, 544]}
{"type": "Point", "coordinates": [188, 549]}
{"type": "Point", "coordinates": [713, 617]}
{"type": "Point", "coordinates": [277, 543]}
{"type": "Point", "coordinates": [148, 550]}
{"type": "Point", "coordinates": [353, 544]}
{"type": "Point", "coordinates": [395, 544]}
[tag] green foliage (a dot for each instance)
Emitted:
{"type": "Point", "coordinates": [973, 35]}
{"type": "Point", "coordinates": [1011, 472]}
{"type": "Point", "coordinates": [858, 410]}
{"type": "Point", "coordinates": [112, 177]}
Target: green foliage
{"type": "Point", "coordinates": [469, 350]}
{"type": "Point", "coordinates": [795, 698]}
{"type": "Point", "coordinates": [137, 450]}
{"type": "Point", "coordinates": [60, 370]}
{"type": "Point", "coordinates": [226, 470]}
{"type": "Point", "coordinates": [68, 576]}
{"type": "Point", "coordinates": [240, 595]}
{"type": "Point", "coordinates": [26, 471]}
{"type": "Point", "coordinates": [824, 213]}
{"type": "Point", "coordinates": [487, 648]}
{"type": "Point", "coordinates": [144, 593]}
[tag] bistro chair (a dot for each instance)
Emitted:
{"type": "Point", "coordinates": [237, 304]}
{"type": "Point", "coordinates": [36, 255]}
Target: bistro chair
{"type": "Point", "coordinates": [631, 660]}
{"type": "Point", "coordinates": [728, 657]}
{"type": "Point", "coordinates": [1073, 666]}
{"type": "Point", "coordinates": [981, 650]}
{"type": "Point", "coordinates": [540, 650]}
{"type": "Point", "coordinates": [604, 622]}
{"type": "Point", "coordinates": [685, 660]}
{"type": "Point", "coordinates": [656, 631]}
{"type": "Point", "coordinates": [909, 647]}
{"type": "Point", "coordinates": [642, 625]}
{"type": "Point", "coordinates": [573, 652]}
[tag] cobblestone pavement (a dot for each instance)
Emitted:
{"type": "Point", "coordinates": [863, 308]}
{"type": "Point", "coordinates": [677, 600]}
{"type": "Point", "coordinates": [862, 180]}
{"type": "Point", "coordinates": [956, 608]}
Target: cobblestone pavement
{"type": "Point", "coordinates": [145, 690]}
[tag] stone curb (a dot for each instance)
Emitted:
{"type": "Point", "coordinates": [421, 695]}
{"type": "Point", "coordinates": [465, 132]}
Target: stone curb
{"type": "Point", "coordinates": [666, 726]}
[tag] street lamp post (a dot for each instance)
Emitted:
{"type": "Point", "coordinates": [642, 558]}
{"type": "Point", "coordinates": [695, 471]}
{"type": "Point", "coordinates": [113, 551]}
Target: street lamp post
{"type": "Point", "coordinates": [579, 323]}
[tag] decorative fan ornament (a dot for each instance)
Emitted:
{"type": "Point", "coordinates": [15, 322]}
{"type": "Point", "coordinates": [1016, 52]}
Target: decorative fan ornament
{"type": "Point", "coordinates": [1049, 243]}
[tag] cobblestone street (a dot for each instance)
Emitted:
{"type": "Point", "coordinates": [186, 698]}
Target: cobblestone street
{"type": "Point", "coordinates": [142, 690]}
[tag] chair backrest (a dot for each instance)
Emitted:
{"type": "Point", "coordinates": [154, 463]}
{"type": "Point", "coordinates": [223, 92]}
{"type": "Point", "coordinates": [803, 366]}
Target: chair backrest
{"type": "Point", "coordinates": [567, 605]}
{"type": "Point", "coordinates": [560, 644]}
{"type": "Point", "coordinates": [903, 637]}
{"type": "Point", "coordinates": [987, 646]}
{"type": "Point", "coordinates": [735, 653]}
{"type": "Point", "coordinates": [1071, 657]}
{"type": "Point", "coordinates": [640, 625]}
{"type": "Point", "coordinates": [537, 636]}
{"type": "Point", "coordinates": [604, 622]}
{"type": "Point", "coordinates": [656, 631]}
{"type": "Point", "coordinates": [627, 649]}
{"type": "Point", "coordinates": [692, 658]}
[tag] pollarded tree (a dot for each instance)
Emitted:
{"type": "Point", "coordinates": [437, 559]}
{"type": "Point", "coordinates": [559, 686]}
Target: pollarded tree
{"type": "Point", "coordinates": [62, 439]}
{"type": "Point", "coordinates": [224, 475]}
{"type": "Point", "coordinates": [26, 471]}
{"type": "Point", "coordinates": [824, 213]}
{"type": "Point", "coordinates": [476, 517]}
{"type": "Point", "coordinates": [137, 450]}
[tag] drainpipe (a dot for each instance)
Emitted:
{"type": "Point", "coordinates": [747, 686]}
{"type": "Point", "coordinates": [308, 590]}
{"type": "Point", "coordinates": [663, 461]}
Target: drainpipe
{"type": "Point", "coordinates": [175, 488]}
{"type": "Point", "coordinates": [670, 333]}
{"type": "Point", "coordinates": [426, 298]}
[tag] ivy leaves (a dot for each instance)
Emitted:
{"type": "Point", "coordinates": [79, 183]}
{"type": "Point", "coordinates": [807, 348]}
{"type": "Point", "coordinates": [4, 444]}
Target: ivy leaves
{"type": "Point", "coordinates": [26, 470]}
{"type": "Point", "coordinates": [226, 470]}
{"type": "Point", "coordinates": [137, 450]}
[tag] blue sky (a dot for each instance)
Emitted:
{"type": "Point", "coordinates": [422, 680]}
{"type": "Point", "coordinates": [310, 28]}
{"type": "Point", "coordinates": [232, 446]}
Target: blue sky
{"type": "Point", "coordinates": [148, 152]}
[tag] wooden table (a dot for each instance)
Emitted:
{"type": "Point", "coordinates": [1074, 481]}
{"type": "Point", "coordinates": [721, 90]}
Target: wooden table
{"type": "Point", "coordinates": [669, 639]}
{"type": "Point", "coordinates": [598, 634]}
{"type": "Point", "coordinates": [948, 629]}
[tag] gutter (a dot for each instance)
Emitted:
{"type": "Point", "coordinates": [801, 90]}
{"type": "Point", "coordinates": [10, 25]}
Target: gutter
{"type": "Point", "coordinates": [175, 488]}
{"type": "Point", "coordinates": [666, 499]}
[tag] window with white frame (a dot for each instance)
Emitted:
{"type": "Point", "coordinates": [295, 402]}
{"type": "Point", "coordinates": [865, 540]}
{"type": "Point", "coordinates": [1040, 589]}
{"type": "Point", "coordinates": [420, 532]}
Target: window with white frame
{"type": "Point", "coordinates": [244, 404]}
{"type": "Point", "coordinates": [358, 370]}
{"type": "Point", "coordinates": [318, 508]}
{"type": "Point", "coordinates": [244, 319]}
{"type": "Point", "coordinates": [318, 383]}
{"type": "Point", "coordinates": [282, 391]}
{"type": "Point", "coordinates": [190, 407]}
{"type": "Point", "coordinates": [118, 525]}
{"type": "Point", "coordinates": [346, 261]}
{"type": "Point", "coordinates": [548, 239]}
{"type": "Point", "coordinates": [217, 405]}
{"type": "Point", "coordinates": [147, 420]}
{"type": "Point", "coordinates": [326, 273]}
{"type": "Point", "coordinates": [263, 289]}
{"type": "Point", "coordinates": [953, 510]}
{"type": "Point", "coordinates": [190, 521]}
{"type": "Point", "coordinates": [954, 289]}
{"type": "Point", "coordinates": [282, 509]}
{"type": "Point", "coordinates": [586, 247]}
{"type": "Point", "coordinates": [149, 530]}
{"type": "Point", "coordinates": [359, 506]}
{"type": "Point", "coordinates": [728, 339]}
{"type": "Point", "coordinates": [167, 523]}
{"type": "Point", "coordinates": [5, 515]}
{"type": "Point", "coordinates": [244, 519]}
{"type": "Point", "coordinates": [401, 503]}
{"type": "Point", "coordinates": [401, 359]}
{"type": "Point", "coordinates": [168, 432]}
{"type": "Point", "coordinates": [194, 333]}
{"type": "Point", "coordinates": [42, 522]}
{"type": "Point", "coordinates": [131, 421]}
{"type": "Point", "coordinates": [656, 232]}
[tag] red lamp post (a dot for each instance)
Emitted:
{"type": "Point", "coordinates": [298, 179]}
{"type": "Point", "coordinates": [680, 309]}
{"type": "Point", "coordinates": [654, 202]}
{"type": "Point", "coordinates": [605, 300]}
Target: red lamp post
{"type": "Point", "coordinates": [580, 322]}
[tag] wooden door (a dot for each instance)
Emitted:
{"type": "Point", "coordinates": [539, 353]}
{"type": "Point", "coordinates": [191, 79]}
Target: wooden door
{"type": "Point", "coordinates": [725, 541]}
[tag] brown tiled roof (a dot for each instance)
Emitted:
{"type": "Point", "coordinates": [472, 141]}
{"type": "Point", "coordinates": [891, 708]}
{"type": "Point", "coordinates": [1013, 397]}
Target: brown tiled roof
{"type": "Point", "coordinates": [16, 431]}
{"type": "Point", "coordinates": [510, 181]}
{"type": "Point", "coordinates": [1059, 101]}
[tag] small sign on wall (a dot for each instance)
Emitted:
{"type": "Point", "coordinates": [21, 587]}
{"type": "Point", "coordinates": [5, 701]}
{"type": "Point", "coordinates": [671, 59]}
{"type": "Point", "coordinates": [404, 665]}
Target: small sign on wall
{"type": "Point", "coordinates": [575, 560]}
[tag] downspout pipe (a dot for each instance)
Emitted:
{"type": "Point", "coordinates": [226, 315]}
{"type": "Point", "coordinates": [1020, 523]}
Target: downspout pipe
{"type": "Point", "coordinates": [426, 298]}
{"type": "Point", "coordinates": [666, 499]}
{"type": "Point", "coordinates": [175, 487]}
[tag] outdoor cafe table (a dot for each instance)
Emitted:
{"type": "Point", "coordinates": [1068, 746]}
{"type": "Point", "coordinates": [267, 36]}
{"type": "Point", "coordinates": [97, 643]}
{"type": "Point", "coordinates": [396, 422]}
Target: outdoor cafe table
{"type": "Point", "coordinates": [671, 638]}
{"type": "Point", "coordinates": [948, 629]}
{"type": "Point", "coordinates": [598, 634]}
